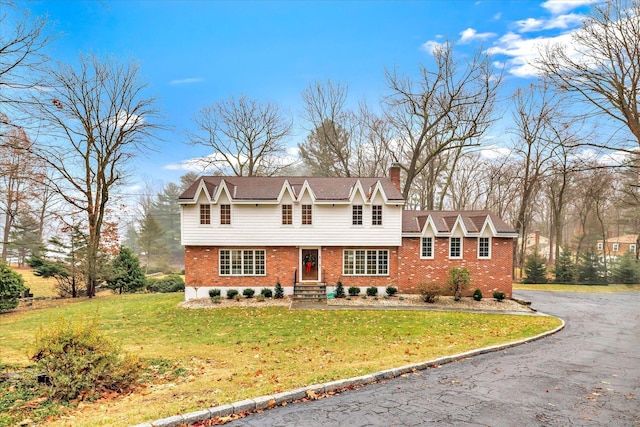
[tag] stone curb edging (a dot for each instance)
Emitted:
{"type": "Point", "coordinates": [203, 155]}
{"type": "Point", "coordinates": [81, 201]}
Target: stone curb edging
{"type": "Point", "coordinates": [264, 402]}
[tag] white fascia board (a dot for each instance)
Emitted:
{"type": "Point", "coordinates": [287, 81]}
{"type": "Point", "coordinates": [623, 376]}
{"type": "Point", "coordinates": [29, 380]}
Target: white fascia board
{"type": "Point", "coordinates": [222, 187]}
{"type": "Point", "coordinates": [196, 196]}
{"type": "Point", "coordinates": [286, 187]}
{"type": "Point", "coordinates": [306, 188]}
{"type": "Point", "coordinates": [358, 188]}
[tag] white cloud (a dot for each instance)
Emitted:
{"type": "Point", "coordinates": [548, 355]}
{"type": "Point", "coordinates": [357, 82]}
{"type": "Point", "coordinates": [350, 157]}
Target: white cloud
{"type": "Point", "coordinates": [470, 34]}
{"type": "Point", "coordinates": [571, 20]}
{"type": "Point", "coordinates": [494, 152]}
{"type": "Point", "coordinates": [186, 81]}
{"type": "Point", "coordinates": [557, 7]}
{"type": "Point", "coordinates": [431, 46]}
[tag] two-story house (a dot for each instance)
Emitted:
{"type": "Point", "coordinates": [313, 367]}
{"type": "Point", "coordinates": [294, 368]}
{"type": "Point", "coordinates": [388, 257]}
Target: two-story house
{"type": "Point", "coordinates": [618, 246]}
{"type": "Point", "coordinates": [252, 232]}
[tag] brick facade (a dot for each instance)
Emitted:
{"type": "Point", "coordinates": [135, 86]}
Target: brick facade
{"type": "Point", "coordinates": [406, 269]}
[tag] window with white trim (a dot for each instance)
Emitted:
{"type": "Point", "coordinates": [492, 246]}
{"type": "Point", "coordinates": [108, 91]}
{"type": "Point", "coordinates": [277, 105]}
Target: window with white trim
{"type": "Point", "coordinates": [600, 246]}
{"type": "Point", "coordinates": [632, 248]}
{"type": "Point", "coordinates": [225, 214]}
{"type": "Point", "coordinates": [356, 215]}
{"type": "Point", "coordinates": [616, 246]}
{"type": "Point", "coordinates": [484, 247]}
{"type": "Point", "coordinates": [307, 214]}
{"type": "Point", "coordinates": [426, 247]}
{"type": "Point", "coordinates": [205, 214]}
{"type": "Point", "coordinates": [242, 262]}
{"type": "Point", "coordinates": [376, 215]}
{"type": "Point", "coordinates": [287, 214]}
{"type": "Point", "coordinates": [365, 262]}
{"type": "Point", "coordinates": [455, 247]}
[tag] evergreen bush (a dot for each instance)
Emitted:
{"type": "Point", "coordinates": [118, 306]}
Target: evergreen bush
{"type": "Point", "coordinates": [499, 296]}
{"type": "Point", "coordinates": [339, 290]}
{"type": "Point", "coordinates": [167, 284]}
{"type": "Point", "coordinates": [11, 286]}
{"type": "Point", "coordinates": [278, 291]}
{"type": "Point", "coordinates": [214, 293]}
{"type": "Point", "coordinates": [266, 292]}
{"type": "Point", "coordinates": [248, 293]}
{"type": "Point", "coordinates": [565, 269]}
{"type": "Point", "coordinates": [627, 269]}
{"type": "Point", "coordinates": [535, 269]}
{"type": "Point", "coordinates": [232, 293]}
{"type": "Point", "coordinates": [391, 290]}
{"type": "Point", "coordinates": [477, 295]}
{"type": "Point", "coordinates": [372, 291]}
{"type": "Point", "coordinates": [353, 291]}
{"type": "Point", "coordinates": [459, 279]}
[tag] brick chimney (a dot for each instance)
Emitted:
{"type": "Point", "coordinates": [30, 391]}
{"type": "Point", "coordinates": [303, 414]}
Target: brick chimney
{"type": "Point", "coordinates": [394, 174]}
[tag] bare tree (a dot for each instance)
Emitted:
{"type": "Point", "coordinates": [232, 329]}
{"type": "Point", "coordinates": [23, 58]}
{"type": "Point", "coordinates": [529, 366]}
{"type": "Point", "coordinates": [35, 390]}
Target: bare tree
{"type": "Point", "coordinates": [447, 108]}
{"type": "Point", "coordinates": [246, 136]}
{"type": "Point", "coordinates": [99, 120]}
{"type": "Point", "coordinates": [601, 64]}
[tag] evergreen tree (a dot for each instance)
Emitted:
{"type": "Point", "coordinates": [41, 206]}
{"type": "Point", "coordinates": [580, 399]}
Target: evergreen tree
{"type": "Point", "coordinates": [166, 212]}
{"type": "Point", "coordinates": [278, 291]}
{"type": "Point", "coordinates": [25, 237]}
{"type": "Point", "coordinates": [565, 269]}
{"type": "Point", "coordinates": [535, 269]}
{"type": "Point", "coordinates": [151, 243]}
{"type": "Point", "coordinates": [11, 286]}
{"type": "Point", "coordinates": [589, 269]}
{"type": "Point", "coordinates": [126, 273]}
{"type": "Point", "coordinates": [627, 269]}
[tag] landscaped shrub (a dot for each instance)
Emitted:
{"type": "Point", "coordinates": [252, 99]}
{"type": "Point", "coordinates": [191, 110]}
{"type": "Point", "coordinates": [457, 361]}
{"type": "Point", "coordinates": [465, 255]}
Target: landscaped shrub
{"type": "Point", "coordinates": [372, 291]}
{"type": "Point", "coordinates": [391, 290]}
{"type": "Point", "coordinates": [459, 279]}
{"type": "Point", "coordinates": [477, 295]}
{"type": "Point", "coordinates": [260, 297]}
{"type": "Point", "coordinates": [166, 284]}
{"type": "Point", "coordinates": [429, 292]}
{"type": "Point", "coordinates": [214, 293]}
{"type": "Point", "coordinates": [11, 286]}
{"type": "Point", "coordinates": [79, 362]}
{"type": "Point", "coordinates": [339, 290]}
{"type": "Point", "coordinates": [237, 297]}
{"type": "Point", "coordinates": [216, 299]}
{"type": "Point", "coordinates": [535, 269]}
{"type": "Point", "coordinates": [278, 291]}
{"type": "Point", "coordinates": [232, 293]}
{"type": "Point", "coordinates": [266, 292]}
{"type": "Point", "coordinates": [499, 296]}
{"type": "Point", "coordinates": [248, 293]}
{"type": "Point", "coordinates": [590, 269]}
{"type": "Point", "coordinates": [125, 274]}
{"type": "Point", "coordinates": [354, 290]}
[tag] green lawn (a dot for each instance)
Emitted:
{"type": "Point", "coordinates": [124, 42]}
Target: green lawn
{"type": "Point", "coordinates": [576, 288]}
{"type": "Point", "coordinates": [231, 354]}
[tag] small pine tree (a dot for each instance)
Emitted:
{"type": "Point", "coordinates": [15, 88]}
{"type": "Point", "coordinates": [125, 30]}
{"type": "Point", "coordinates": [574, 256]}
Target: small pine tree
{"type": "Point", "coordinates": [627, 269]}
{"type": "Point", "coordinates": [589, 269]}
{"type": "Point", "coordinates": [11, 286]}
{"type": "Point", "coordinates": [126, 274]}
{"type": "Point", "coordinates": [565, 270]}
{"type": "Point", "coordinates": [459, 279]}
{"type": "Point", "coordinates": [340, 290]}
{"type": "Point", "coordinates": [278, 292]}
{"type": "Point", "coordinates": [535, 269]}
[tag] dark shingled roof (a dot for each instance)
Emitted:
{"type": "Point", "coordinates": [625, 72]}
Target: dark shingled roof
{"type": "Point", "coordinates": [444, 221]}
{"type": "Point", "coordinates": [268, 188]}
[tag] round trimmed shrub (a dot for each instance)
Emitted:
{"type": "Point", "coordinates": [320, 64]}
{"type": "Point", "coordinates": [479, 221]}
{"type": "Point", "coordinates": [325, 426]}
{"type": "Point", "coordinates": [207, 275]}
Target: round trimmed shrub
{"type": "Point", "coordinates": [248, 293]}
{"type": "Point", "coordinates": [232, 293]}
{"type": "Point", "coordinates": [477, 295]}
{"type": "Point", "coordinates": [354, 290]}
{"type": "Point", "coordinates": [266, 292]}
{"type": "Point", "coordinates": [391, 290]}
{"type": "Point", "coordinates": [372, 291]}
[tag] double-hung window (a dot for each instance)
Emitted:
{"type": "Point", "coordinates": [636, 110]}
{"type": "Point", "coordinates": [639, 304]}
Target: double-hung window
{"type": "Point", "coordinates": [455, 247]}
{"type": "Point", "coordinates": [376, 215]}
{"type": "Point", "coordinates": [307, 214]}
{"type": "Point", "coordinates": [365, 262]}
{"type": "Point", "coordinates": [484, 247]}
{"type": "Point", "coordinates": [205, 214]}
{"type": "Point", "coordinates": [242, 262]}
{"type": "Point", "coordinates": [426, 247]}
{"type": "Point", "coordinates": [356, 211]}
{"type": "Point", "coordinates": [616, 247]}
{"type": "Point", "coordinates": [287, 214]}
{"type": "Point", "coordinates": [225, 214]}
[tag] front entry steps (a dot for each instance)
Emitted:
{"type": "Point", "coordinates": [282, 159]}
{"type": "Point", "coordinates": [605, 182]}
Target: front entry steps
{"type": "Point", "coordinates": [306, 295]}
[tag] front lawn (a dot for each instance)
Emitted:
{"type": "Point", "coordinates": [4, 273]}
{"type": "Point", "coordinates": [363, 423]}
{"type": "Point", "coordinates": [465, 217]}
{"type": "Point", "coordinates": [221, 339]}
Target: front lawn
{"type": "Point", "coordinates": [231, 354]}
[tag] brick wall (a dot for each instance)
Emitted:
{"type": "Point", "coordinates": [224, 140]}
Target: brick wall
{"type": "Point", "coordinates": [406, 269]}
{"type": "Point", "coordinates": [488, 275]}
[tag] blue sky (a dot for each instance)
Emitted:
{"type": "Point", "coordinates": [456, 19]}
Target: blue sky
{"type": "Point", "coordinates": [195, 53]}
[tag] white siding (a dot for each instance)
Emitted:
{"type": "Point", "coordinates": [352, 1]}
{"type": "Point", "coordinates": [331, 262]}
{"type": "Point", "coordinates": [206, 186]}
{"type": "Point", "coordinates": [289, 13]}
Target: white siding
{"type": "Point", "coordinates": [261, 225]}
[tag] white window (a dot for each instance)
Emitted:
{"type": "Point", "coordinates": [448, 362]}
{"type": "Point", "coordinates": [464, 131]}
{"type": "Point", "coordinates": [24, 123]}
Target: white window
{"type": "Point", "coordinates": [426, 247]}
{"type": "Point", "coordinates": [455, 247]}
{"type": "Point", "coordinates": [307, 214]}
{"type": "Point", "coordinates": [484, 247]}
{"type": "Point", "coordinates": [242, 262]}
{"type": "Point", "coordinates": [205, 214]}
{"type": "Point", "coordinates": [632, 247]}
{"type": "Point", "coordinates": [356, 214]}
{"type": "Point", "coordinates": [365, 262]}
{"type": "Point", "coordinates": [376, 215]}
{"type": "Point", "coordinates": [287, 214]}
{"type": "Point", "coordinates": [225, 214]}
{"type": "Point", "coordinates": [600, 246]}
{"type": "Point", "coordinates": [615, 247]}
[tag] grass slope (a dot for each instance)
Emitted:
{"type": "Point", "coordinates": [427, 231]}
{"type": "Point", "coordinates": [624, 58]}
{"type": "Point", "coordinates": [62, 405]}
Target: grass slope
{"type": "Point", "coordinates": [232, 354]}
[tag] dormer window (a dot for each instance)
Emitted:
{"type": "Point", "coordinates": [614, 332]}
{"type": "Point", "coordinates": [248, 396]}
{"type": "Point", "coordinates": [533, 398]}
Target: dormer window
{"type": "Point", "coordinates": [307, 214]}
{"type": "Point", "coordinates": [356, 214]}
{"type": "Point", "coordinates": [225, 214]}
{"type": "Point", "coordinates": [287, 214]}
{"type": "Point", "coordinates": [376, 215]}
{"type": "Point", "coordinates": [205, 214]}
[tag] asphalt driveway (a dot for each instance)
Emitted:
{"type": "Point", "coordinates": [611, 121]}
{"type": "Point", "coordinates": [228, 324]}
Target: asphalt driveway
{"type": "Point", "coordinates": [588, 374]}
